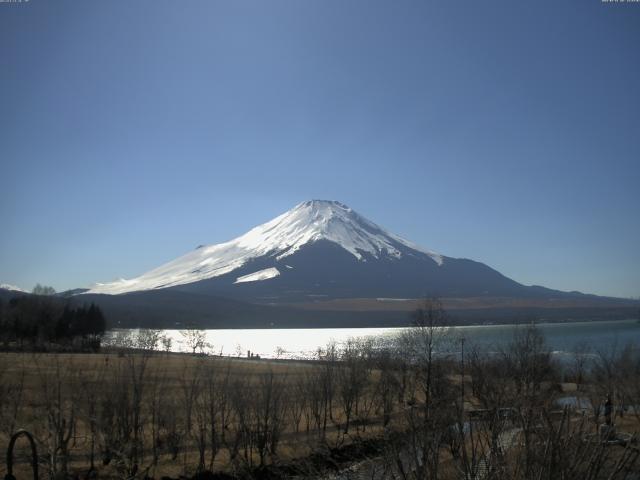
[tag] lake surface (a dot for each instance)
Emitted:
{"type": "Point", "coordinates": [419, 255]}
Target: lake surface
{"type": "Point", "coordinates": [562, 338]}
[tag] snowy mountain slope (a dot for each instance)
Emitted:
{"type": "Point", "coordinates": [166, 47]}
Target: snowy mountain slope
{"type": "Point", "coordinates": [265, 274]}
{"type": "Point", "coordinates": [13, 288]}
{"type": "Point", "coordinates": [308, 223]}
{"type": "Point", "coordinates": [321, 264]}
{"type": "Point", "coordinates": [321, 250]}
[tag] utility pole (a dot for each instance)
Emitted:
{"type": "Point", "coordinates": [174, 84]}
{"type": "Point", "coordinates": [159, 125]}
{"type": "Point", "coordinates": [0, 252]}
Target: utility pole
{"type": "Point", "coordinates": [462, 364]}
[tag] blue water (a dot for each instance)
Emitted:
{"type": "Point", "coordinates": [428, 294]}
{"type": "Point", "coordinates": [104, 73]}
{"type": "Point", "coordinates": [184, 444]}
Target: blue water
{"type": "Point", "coordinates": [562, 337]}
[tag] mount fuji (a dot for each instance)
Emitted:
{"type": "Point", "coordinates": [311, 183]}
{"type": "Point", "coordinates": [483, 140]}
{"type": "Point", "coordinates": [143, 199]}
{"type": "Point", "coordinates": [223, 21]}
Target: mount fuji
{"type": "Point", "coordinates": [321, 264]}
{"type": "Point", "coordinates": [321, 250]}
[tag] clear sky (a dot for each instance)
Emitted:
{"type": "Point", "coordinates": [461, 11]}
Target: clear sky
{"type": "Point", "coordinates": [503, 131]}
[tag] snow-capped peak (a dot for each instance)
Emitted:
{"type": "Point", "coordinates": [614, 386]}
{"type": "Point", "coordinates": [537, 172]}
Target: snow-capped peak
{"type": "Point", "coordinates": [306, 223]}
{"type": "Point", "coordinates": [13, 288]}
{"type": "Point", "coordinates": [326, 220]}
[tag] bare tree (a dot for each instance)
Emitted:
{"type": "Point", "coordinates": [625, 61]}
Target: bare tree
{"type": "Point", "coordinates": [328, 359]}
{"type": "Point", "coordinates": [351, 378]}
{"type": "Point", "coordinates": [529, 362]}
{"type": "Point", "coordinates": [240, 435]}
{"type": "Point", "coordinates": [581, 358]}
{"type": "Point", "coordinates": [195, 340]}
{"type": "Point", "coordinates": [428, 416]}
{"type": "Point", "coordinates": [91, 383]}
{"type": "Point", "coordinates": [298, 402]}
{"type": "Point", "coordinates": [148, 339]}
{"type": "Point", "coordinates": [270, 409]}
{"type": "Point", "coordinates": [121, 415]}
{"type": "Point", "coordinates": [388, 384]}
{"type": "Point", "coordinates": [216, 406]}
{"type": "Point", "coordinates": [12, 389]}
{"type": "Point", "coordinates": [167, 343]}
{"type": "Point", "coordinates": [57, 393]}
{"type": "Point", "coordinates": [315, 392]}
{"type": "Point", "coordinates": [43, 290]}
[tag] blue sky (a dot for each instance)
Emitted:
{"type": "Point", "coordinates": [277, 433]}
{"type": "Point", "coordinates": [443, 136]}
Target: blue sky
{"type": "Point", "coordinates": [507, 132]}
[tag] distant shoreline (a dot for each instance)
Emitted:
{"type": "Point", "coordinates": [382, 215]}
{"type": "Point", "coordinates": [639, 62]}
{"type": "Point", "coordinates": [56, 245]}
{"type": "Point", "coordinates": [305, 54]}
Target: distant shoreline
{"type": "Point", "coordinates": [541, 323]}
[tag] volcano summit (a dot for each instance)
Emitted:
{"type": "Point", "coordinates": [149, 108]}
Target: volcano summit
{"type": "Point", "coordinates": [321, 264]}
{"type": "Point", "coordinates": [321, 250]}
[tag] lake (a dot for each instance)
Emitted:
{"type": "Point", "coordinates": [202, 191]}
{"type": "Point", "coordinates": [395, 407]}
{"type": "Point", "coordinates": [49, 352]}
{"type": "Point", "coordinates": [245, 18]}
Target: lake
{"type": "Point", "coordinates": [562, 338]}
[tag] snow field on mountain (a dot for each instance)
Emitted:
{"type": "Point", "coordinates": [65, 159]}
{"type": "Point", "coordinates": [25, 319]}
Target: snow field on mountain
{"type": "Point", "coordinates": [305, 224]}
{"type": "Point", "coordinates": [265, 274]}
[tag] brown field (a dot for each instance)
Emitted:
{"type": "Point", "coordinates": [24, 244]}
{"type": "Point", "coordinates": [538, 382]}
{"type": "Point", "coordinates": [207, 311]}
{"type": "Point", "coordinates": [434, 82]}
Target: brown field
{"type": "Point", "coordinates": [137, 414]}
{"type": "Point", "coordinates": [169, 380]}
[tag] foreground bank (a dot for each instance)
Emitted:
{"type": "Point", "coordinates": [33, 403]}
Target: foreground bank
{"type": "Point", "coordinates": [137, 414]}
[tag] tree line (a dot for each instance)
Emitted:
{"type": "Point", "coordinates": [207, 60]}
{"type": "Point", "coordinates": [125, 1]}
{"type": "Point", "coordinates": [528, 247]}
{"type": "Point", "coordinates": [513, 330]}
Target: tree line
{"type": "Point", "coordinates": [46, 322]}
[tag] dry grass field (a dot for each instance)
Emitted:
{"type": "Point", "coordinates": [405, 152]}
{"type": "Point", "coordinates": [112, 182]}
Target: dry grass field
{"type": "Point", "coordinates": [43, 391]}
{"type": "Point", "coordinates": [406, 414]}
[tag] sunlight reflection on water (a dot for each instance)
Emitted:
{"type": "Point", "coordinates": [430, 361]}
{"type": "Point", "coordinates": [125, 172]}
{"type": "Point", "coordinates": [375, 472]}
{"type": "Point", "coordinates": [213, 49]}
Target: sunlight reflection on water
{"type": "Point", "coordinates": [562, 338]}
